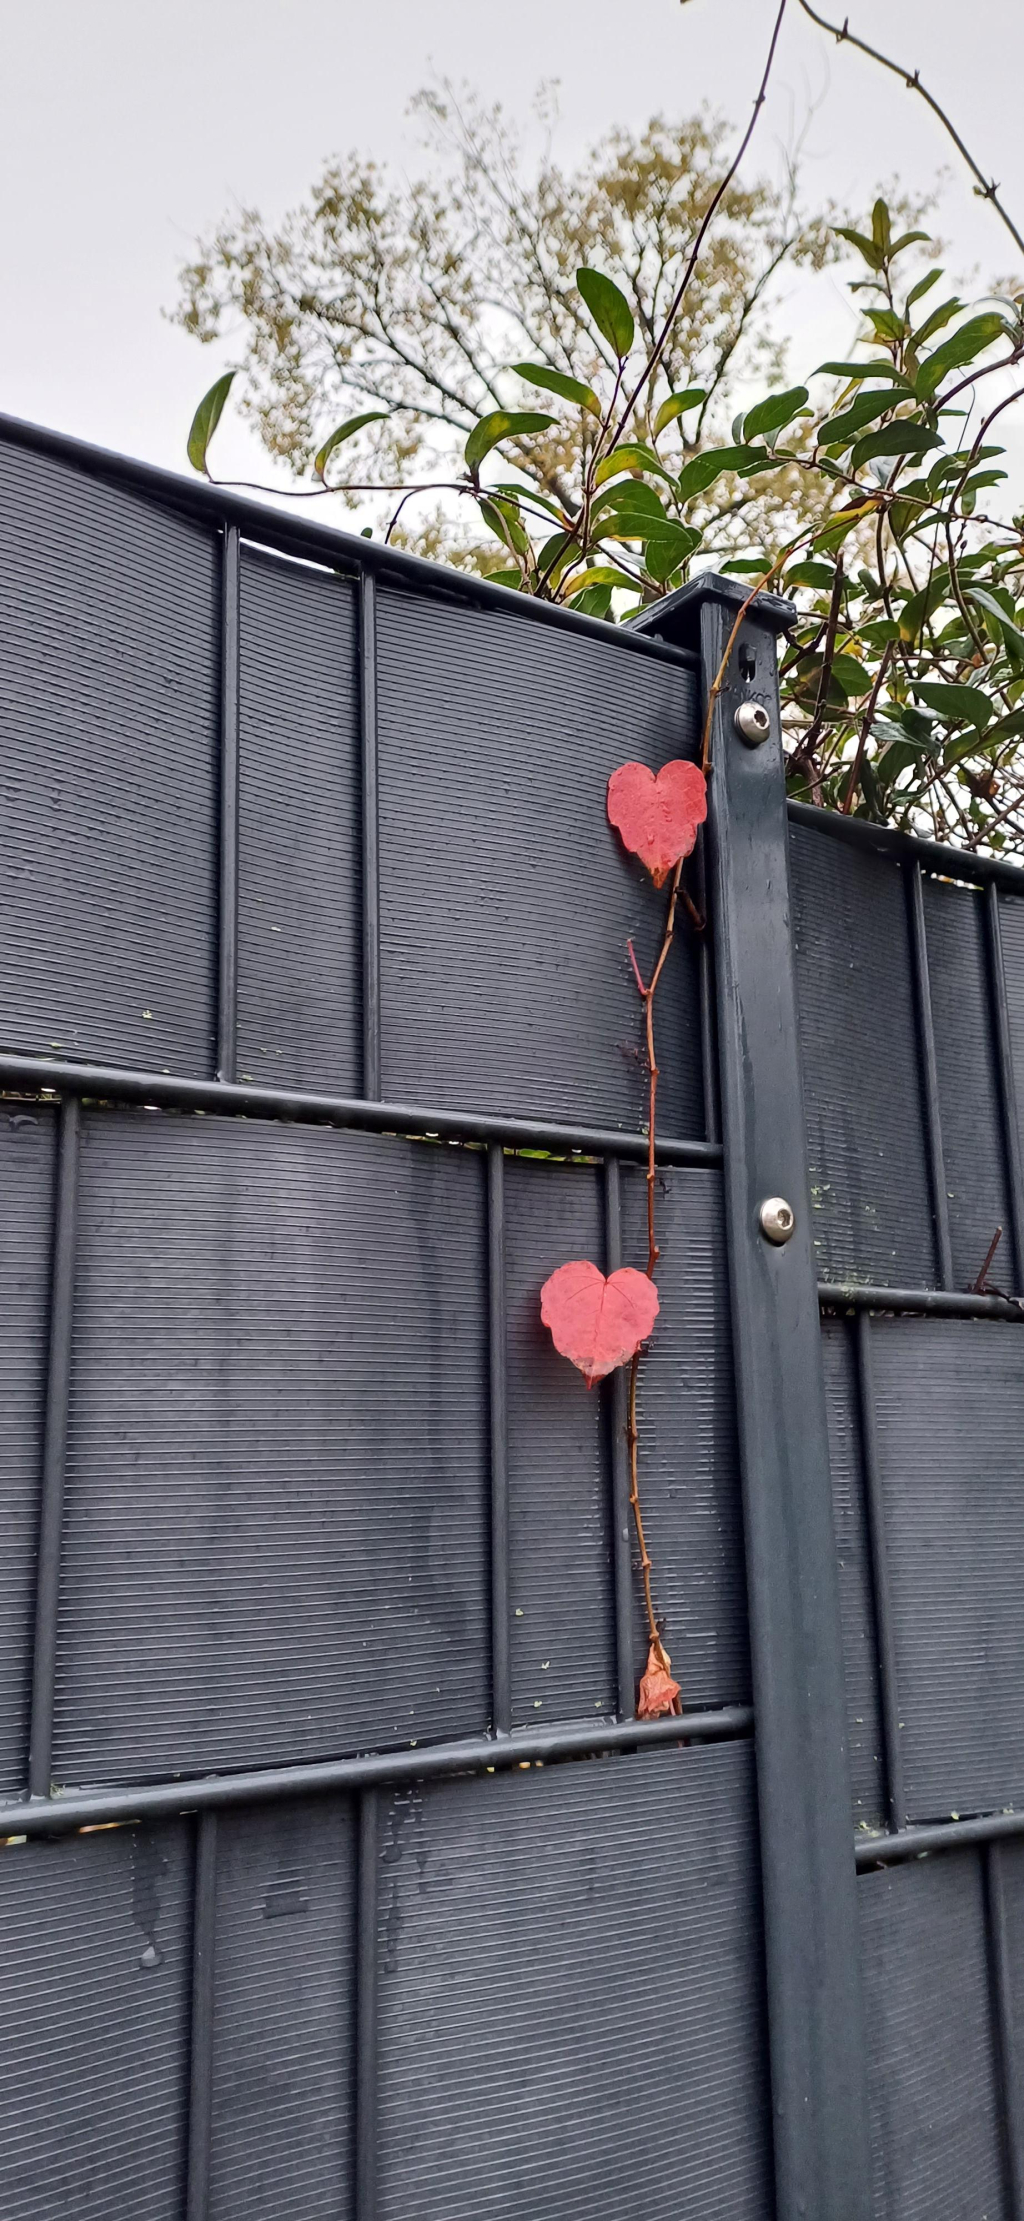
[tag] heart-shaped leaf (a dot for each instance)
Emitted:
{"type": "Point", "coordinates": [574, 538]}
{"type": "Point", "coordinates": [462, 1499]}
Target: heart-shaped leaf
{"type": "Point", "coordinates": [658, 817]}
{"type": "Point", "coordinates": [658, 1691]}
{"type": "Point", "coordinates": [598, 1323]}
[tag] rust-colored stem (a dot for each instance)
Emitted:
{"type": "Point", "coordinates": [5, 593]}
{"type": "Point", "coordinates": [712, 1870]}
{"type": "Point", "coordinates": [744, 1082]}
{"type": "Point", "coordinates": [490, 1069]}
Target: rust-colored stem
{"type": "Point", "coordinates": [647, 995]}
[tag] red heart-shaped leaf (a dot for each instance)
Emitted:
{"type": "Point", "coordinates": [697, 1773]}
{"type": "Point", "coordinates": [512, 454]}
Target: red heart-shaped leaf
{"type": "Point", "coordinates": [658, 1691]}
{"type": "Point", "coordinates": [598, 1323]}
{"type": "Point", "coordinates": [658, 816]}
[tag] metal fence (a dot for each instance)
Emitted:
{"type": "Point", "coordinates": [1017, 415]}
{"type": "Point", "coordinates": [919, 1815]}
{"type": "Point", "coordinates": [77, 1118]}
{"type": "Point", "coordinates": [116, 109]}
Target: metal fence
{"type": "Point", "coordinates": [317, 1602]}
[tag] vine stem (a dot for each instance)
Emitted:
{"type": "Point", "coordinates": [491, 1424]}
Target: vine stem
{"type": "Point", "coordinates": [647, 994]}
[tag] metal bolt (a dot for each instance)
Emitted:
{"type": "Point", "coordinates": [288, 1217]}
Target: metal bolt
{"type": "Point", "coordinates": [752, 723]}
{"type": "Point", "coordinates": [777, 1219]}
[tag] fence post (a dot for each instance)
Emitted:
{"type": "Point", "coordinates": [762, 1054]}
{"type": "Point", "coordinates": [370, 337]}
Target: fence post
{"type": "Point", "coordinates": [813, 1976]}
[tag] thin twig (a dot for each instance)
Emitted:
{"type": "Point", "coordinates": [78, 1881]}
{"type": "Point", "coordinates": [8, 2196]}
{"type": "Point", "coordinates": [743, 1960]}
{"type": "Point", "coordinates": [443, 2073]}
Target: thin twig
{"type": "Point", "coordinates": [986, 188]}
{"type": "Point", "coordinates": [828, 652]}
{"type": "Point", "coordinates": [978, 1286]}
{"type": "Point", "coordinates": [661, 343]}
{"type": "Point", "coordinates": [867, 721]}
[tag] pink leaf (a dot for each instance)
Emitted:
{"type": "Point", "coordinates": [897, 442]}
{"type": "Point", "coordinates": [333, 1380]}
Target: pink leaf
{"type": "Point", "coordinates": [598, 1323]}
{"type": "Point", "coordinates": [658, 816]}
{"type": "Point", "coordinates": [658, 1691]}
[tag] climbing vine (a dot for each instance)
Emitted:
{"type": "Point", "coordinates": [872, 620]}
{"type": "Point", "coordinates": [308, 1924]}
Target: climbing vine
{"type": "Point", "coordinates": [601, 1321]}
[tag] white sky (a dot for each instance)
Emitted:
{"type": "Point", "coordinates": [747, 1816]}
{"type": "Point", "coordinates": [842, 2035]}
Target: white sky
{"type": "Point", "coordinates": [129, 126]}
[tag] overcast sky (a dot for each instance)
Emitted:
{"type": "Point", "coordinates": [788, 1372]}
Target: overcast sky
{"type": "Point", "coordinates": [126, 129]}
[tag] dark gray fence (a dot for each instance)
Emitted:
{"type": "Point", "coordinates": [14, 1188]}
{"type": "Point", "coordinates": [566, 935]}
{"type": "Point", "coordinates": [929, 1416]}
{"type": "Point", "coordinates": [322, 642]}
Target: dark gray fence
{"type": "Point", "coordinates": [340, 1878]}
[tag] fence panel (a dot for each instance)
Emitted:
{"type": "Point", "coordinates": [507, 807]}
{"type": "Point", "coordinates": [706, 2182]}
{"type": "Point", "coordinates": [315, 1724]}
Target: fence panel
{"type": "Point", "coordinates": [339, 1873]}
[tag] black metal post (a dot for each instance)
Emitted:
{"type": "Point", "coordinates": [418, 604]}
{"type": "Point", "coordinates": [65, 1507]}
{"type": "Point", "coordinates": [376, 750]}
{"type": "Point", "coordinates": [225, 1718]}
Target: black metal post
{"type": "Point", "coordinates": [371, 835]}
{"type": "Point", "coordinates": [914, 880]}
{"type": "Point", "coordinates": [200, 2105]}
{"type": "Point", "coordinates": [1007, 1079]}
{"type": "Point", "coordinates": [1001, 1980]}
{"type": "Point", "coordinates": [616, 1391]}
{"type": "Point", "coordinates": [366, 2009]}
{"type": "Point", "coordinates": [227, 985]}
{"type": "Point", "coordinates": [815, 2016]}
{"type": "Point", "coordinates": [501, 1668]}
{"type": "Point", "coordinates": [885, 1621]}
{"type": "Point", "coordinates": [51, 1510]}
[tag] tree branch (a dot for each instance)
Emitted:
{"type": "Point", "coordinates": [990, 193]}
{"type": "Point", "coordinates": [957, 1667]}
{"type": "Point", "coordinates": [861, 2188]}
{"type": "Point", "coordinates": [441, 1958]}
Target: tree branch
{"type": "Point", "coordinates": [986, 189]}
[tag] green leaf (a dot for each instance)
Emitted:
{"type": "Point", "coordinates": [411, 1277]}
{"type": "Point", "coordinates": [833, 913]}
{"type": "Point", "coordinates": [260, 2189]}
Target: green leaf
{"type": "Point", "coordinates": [501, 519]}
{"type": "Point", "coordinates": [810, 574]}
{"type": "Point", "coordinates": [702, 470]}
{"type": "Point", "coordinates": [850, 675]}
{"type": "Point", "coordinates": [907, 239]}
{"type": "Point", "coordinates": [609, 308]}
{"type": "Point", "coordinates": [923, 286]}
{"type": "Point", "coordinates": [632, 455]}
{"type": "Point", "coordinates": [501, 424]}
{"type": "Point", "coordinates": [831, 535]}
{"type": "Point", "coordinates": [601, 574]}
{"type": "Point", "coordinates": [1007, 631]}
{"type": "Point", "coordinates": [961, 347]}
{"type": "Point", "coordinates": [875, 366]}
{"type": "Point", "coordinates": [557, 554]}
{"type": "Point", "coordinates": [919, 607]}
{"type": "Point", "coordinates": [902, 438]}
{"type": "Point", "coordinates": [872, 256]}
{"type": "Point", "coordinates": [956, 705]}
{"type": "Point", "coordinates": [773, 413]}
{"type": "Point", "coordinates": [920, 724]}
{"type": "Point", "coordinates": [677, 405]}
{"type": "Point", "coordinates": [344, 431]}
{"type": "Point", "coordinates": [666, 549]}
{"type": "Point", "coordinates": [838, 431]}
{"type": "Point", "coordinates": [881, 229]}
{"type": "Point", "coordinates": [206, 420]}
{"type": "Point", "coordinates": [555, 381]}
{"type": "Point", "coordinates": [939, 317]}
{"type": "Point", "coordinates": [633, 494]}
{"type": "Point", "coordinates": [887, 324]}
{"type": "Point", "coordinates": [595, 601]}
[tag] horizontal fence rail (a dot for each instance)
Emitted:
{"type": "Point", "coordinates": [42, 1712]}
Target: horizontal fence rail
{"type": "Point", "coordinates": [920, 1840]}
{"type": "Point", "coordinates": [943, 1303]}
{"type": "Point", "coordinates": [164, 1091]}
{"type": "Point", "coordinates": [301, 536]}
{"type": "Point", "coordinates": [475, 1754]}
{"type": "Point", "coordinates": [961, 864]}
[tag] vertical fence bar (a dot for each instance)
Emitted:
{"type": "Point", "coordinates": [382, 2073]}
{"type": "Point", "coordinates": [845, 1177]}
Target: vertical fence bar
{"type": "Point", "coordinates": [622, 1568]}
{"type": "Point", "coordinates": [1007, 1077]}
{"type": "Point", "coordinates": [501, 1665]}
{"type": "Point", "coordinates": [815, 2016]}
{"type": "Point", "coordinates": [371, 836]}
{"type": "Point", "coordinates": [706, 963]}
{"type": "Point", "coordinates": [929, 1072]}
{"type": "Point", "coordinates": [366, 2009]}
{"type": "Point", "coordinates": [200, 2103]}
{"type": "Point", "coordinates": [230, 668]}
{"type": "Point", "coordinates": [55, 1436]}
{"type": "Point", "coordinates": [881, 1590]}
{"type": "Point", "coordinates": [1001, 1979]}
